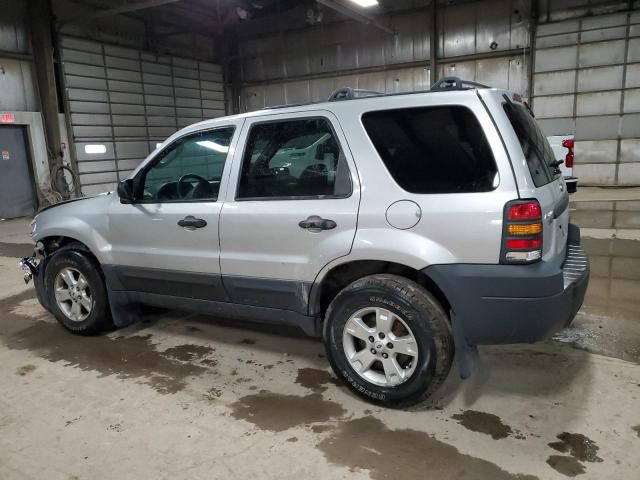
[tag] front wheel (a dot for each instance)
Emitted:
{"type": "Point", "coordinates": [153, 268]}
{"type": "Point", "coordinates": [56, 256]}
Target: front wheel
{"type": "Point", "coordinates": [77, 292]}
{"type": "Point", "coordinates": [389, 339]}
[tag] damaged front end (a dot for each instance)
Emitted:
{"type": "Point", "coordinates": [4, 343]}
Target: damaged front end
{"type": "Point", "coordinates": [33, 269]}
{"type": "Point", "coordinates": [29, 267]}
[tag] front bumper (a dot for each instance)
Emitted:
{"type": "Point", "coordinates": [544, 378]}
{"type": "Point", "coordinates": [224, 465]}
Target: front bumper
{"type": "Point", "coordinates": [33, 268]}
{"type": "Point", "coordinates": [501, 304]}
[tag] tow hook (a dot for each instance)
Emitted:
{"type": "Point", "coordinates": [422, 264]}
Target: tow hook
{"type": "Point", "coordinates": [29, 266]}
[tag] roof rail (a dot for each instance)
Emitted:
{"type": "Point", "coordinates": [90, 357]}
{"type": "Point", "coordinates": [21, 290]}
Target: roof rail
{"type": "Point", "coordinates": [455, 83]}
{"type": "Point", "coordinates": [348, 93]}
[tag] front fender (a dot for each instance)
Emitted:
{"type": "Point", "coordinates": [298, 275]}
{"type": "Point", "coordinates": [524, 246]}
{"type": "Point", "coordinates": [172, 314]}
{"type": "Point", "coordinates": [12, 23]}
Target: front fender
{"type": "Point", "coordinates": [85, 220]}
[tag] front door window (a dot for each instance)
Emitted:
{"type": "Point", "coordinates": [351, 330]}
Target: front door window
{"type": "Point", "coordinates": [189, 170]}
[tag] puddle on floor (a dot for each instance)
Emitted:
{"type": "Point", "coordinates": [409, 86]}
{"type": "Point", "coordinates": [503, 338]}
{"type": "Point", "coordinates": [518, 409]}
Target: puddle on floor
{"type": "Point", "coordinates": [123, 356]}
{"type": "Point", "coordinates": [277, 412]}
{"type": "Point", "coordinates": [578, 446]}
{"type": "Point", "coordinates": [368, 444]}
{"type": "Point", "coordinates": [483, 422]}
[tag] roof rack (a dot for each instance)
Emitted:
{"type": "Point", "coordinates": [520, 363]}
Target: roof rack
{"type": "Point", "coordinates": [455, 83]}
{"type": "Point", "coordinates": [348, 93]}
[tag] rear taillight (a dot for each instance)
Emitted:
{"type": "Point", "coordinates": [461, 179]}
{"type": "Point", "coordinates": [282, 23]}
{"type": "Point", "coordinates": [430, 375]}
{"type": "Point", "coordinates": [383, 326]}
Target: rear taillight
{"type": "Point", "coordinates": [568, 159]}
{"type": "Point", "coordinates": [522, 232]}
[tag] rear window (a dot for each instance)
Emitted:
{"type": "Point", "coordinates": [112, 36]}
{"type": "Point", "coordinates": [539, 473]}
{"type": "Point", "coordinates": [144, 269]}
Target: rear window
{"type": "Point", "coordinates": [535, 146]}
{"type": "Point", "coordinates": [433, 149]}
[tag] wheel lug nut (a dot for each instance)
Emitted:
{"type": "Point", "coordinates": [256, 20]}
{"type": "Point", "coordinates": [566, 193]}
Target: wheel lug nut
{"type": "Point", "coordinates": [373, 351]}
{"type": "Point", "coordinates": [371, 339]}
{"type": "Point", "coordinates": [384, 355]}
{"type": "Point", "coordinates": [381, 335]}
{"type": "Point", "coordinates": [390, 346]}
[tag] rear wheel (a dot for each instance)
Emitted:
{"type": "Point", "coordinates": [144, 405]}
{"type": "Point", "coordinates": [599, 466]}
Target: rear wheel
{"type": "Point", "coordinates": [389, 340]}
{"type": "Point", "coordinates": [77, 293]}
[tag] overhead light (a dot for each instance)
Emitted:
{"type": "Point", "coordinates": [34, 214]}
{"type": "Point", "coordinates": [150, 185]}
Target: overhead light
{"type": "Point", "coordinates": [365, 3]}
{"type": "Point", "coordinates": [95, 149]}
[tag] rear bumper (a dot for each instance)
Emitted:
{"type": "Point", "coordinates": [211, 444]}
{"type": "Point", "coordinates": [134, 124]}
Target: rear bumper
{"type": "Point", "coordinates": [500, 304]}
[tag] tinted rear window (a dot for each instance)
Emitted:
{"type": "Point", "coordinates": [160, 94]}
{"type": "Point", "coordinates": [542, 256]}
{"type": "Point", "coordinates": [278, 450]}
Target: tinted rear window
{"type": "Point", "coordinates": [534, 144]}
{"type": "Point", "coordinates": [433, 149]}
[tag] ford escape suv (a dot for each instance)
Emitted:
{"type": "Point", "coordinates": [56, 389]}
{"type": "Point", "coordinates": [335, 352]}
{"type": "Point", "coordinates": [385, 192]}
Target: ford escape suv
{"type": "Point", "coordinates": [399, 228]}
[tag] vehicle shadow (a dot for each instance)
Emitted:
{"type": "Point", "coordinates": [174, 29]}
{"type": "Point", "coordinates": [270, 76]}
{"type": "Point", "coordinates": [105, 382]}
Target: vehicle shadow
{"type": "Point", "coordinates": [543, 371]}
{"type": "Point", "coordinates": [261, 337]}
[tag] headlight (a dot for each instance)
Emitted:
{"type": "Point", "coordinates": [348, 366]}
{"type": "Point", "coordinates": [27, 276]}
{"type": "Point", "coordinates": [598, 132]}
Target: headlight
{"type": "Point", "coordinates": [33, 226]}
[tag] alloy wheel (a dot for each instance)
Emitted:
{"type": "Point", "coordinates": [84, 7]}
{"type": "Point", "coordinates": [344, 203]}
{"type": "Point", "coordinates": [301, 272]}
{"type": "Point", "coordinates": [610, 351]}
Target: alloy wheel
{"type": "Point", "coordinates": [380, 346]}
{"type": "Point", "coordinates": [73, 294]}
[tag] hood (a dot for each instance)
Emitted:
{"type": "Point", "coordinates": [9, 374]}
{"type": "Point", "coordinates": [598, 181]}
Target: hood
{"type": "Point", "coordinates": [72, 200]}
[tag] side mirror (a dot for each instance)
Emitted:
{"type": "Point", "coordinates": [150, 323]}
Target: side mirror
{"type": "Point", "coordinates": [125, 191]}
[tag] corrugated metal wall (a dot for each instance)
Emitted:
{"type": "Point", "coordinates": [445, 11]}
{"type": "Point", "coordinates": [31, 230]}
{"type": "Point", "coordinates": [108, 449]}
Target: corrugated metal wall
{"type": "Point", "coordinates": [327, 57]}
{"type": "Point", "coordinates": [17, 82]}
{"type": "Point", "coordinates": [128, 100]}
{"type": "Point", "coordinates": [587, 82]}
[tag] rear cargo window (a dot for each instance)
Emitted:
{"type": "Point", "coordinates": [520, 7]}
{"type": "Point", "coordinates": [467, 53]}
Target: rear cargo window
{"type": "Point", "coordinates": [534, 144]}
{"type": "Point", "coordinates": [433, 149]}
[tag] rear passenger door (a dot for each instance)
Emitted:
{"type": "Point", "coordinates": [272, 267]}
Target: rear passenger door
{"type": "Point", "coordinates": [291, 208]}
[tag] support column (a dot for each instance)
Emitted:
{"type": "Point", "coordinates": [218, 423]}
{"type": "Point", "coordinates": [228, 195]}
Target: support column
{"type": "Point", "coordinates": [433, 43]}
{"type": "Point", "coordinates": [39, 20]}
{"type": "Point", "coordinates": [232, 70]}
{"type": "Point", "coordinates": [40, 25]}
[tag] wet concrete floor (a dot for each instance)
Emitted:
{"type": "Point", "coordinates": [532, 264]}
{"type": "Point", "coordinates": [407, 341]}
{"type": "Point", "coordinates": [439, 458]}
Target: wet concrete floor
{"type": "Point", "coordinates": [188, 396]}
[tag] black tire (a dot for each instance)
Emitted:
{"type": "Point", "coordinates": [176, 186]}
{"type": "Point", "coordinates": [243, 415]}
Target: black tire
{"type": "Point", "coordinates": [420, 311]}
{"type": "Point", "coordinates": [99, 318]}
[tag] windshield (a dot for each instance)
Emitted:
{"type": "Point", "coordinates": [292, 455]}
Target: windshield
{"type": "Point", "coordinates": [534, 144]}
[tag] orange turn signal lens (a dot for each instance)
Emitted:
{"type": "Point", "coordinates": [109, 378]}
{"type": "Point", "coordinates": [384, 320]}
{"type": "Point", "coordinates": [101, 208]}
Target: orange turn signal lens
{"type": "Point", "coordinates": [524, 229]}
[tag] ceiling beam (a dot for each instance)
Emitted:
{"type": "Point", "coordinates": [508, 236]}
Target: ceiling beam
{"type": "Point", "coordinates": [354, 14]}
{"type": "Point", "coordinates": [126, 8]}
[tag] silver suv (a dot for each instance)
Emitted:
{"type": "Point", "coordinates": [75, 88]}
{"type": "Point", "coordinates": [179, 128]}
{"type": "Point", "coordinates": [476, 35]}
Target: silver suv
{"type": "Point", "coordinates": [399, 228]}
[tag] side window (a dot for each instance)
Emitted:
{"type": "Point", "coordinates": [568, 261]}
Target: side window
{"type": "Point", "coordinates": [293, 159]}
{"type": "Point", "coordinates": [535, 146]}
{"type": "Point", "coordinates": [189, 169]}
{"type": "Point", "coordinates": [433, 149]}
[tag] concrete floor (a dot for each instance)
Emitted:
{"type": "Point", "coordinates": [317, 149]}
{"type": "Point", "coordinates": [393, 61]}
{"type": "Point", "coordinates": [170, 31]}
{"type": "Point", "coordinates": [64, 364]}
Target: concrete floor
{"type": "Point", "coordinates": [187, 396]}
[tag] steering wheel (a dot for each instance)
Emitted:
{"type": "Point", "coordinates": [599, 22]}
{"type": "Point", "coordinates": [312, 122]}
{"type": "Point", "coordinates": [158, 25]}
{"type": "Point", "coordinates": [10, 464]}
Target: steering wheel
{"type": "Point", "coordinates": [182, 181]}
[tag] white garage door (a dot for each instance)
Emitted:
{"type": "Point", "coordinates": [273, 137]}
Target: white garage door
{"type": "Point", "coordinates": [122, 102]}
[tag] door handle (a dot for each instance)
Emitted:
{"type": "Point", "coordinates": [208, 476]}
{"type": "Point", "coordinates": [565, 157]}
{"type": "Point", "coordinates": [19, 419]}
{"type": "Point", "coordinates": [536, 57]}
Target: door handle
{"type": "Point", "coordinates": [192, 222]}
{"type": "Point", "coordinates": [314, 222]}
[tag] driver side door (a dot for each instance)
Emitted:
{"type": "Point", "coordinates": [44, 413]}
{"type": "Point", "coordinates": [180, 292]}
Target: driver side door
{"type": "Point", "coordinates": [166, 242]}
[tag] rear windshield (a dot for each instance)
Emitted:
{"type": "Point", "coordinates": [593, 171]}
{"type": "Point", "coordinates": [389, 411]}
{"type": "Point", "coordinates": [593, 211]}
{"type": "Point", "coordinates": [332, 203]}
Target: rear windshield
{"type": "Point", "coordinates": [534, 144]}
{"type": "Point", "coordinates": [433, 149]}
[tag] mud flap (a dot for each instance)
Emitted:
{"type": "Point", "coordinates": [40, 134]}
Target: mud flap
{"type": "Point", "coordinates": [124, 312]}
{"type": "Point", "coordinates": [466, 355]}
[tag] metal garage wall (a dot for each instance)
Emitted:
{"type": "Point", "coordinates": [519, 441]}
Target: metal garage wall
{"type": "Point", "coordinates": [330, 56]}
{"type": "Point", "coordinates": [587, 82]}
{"type": "Point", "coordinates": [128, 100]}
{"type": "Point", "coordinates": [17, 82]}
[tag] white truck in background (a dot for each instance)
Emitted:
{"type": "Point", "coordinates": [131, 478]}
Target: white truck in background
{"type": "Point", "coordinates": [562, 146]}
